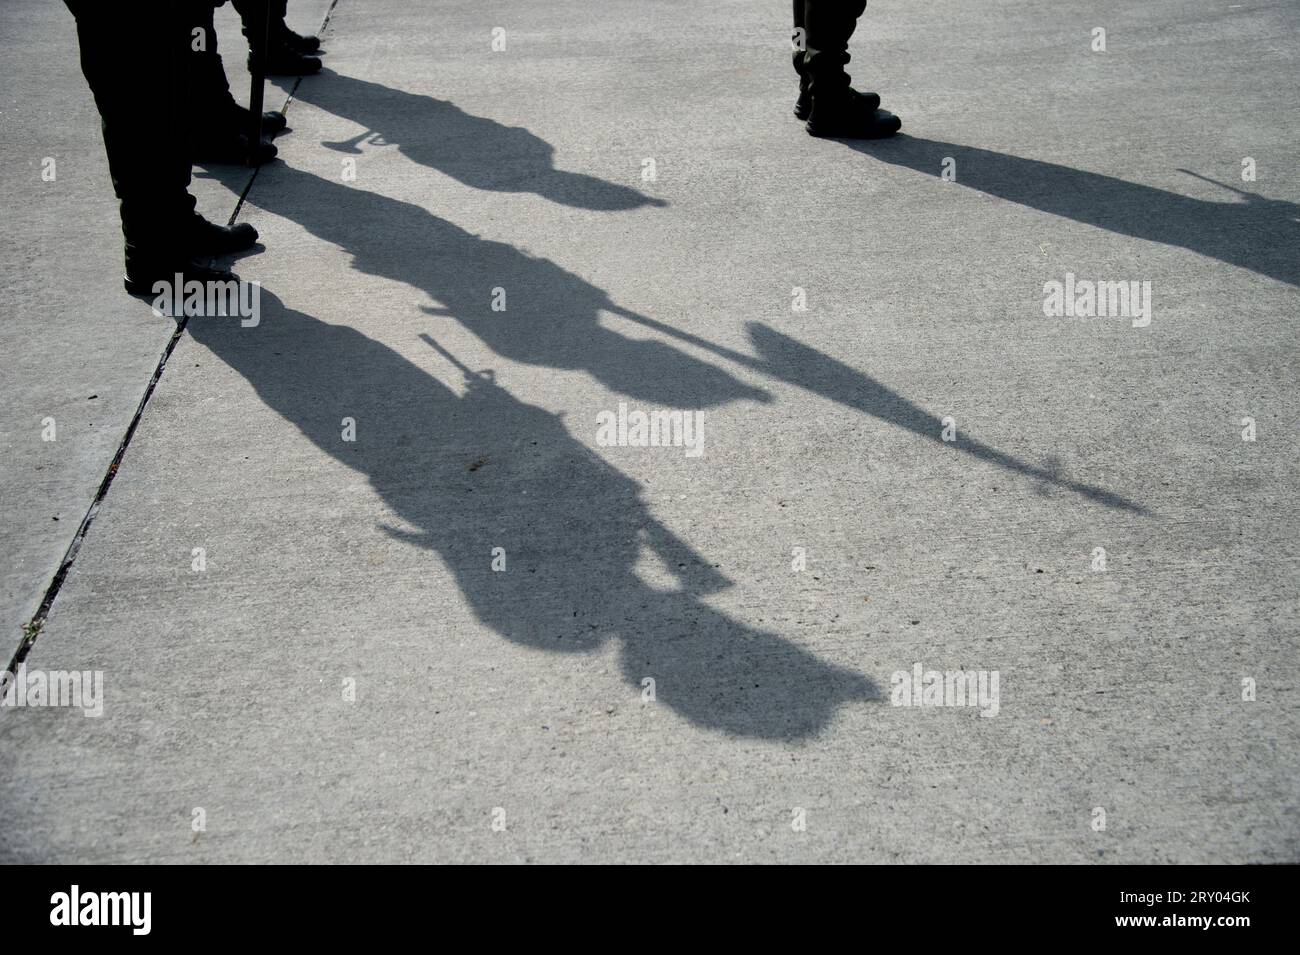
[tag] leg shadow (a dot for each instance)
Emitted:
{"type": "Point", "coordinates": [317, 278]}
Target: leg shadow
{"type": "Point", "coordinates": [1257, 234]}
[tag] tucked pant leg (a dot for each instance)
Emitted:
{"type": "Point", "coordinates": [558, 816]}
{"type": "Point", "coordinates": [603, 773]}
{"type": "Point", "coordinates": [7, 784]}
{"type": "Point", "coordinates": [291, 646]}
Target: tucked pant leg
{"type": "Point", "coordinates": [828, 25]}
{"type": "Point", "coordinates": [252, 11]}
{"type": "Point", "coordinates": [209, 88]}
{"type": "Point", "coordinates": [134, 57]}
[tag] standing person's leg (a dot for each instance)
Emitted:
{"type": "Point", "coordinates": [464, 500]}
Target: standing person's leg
{"type": "Point", "coordinates": [286, 52]}
{"type": "Point", "coordinates": [134, 59]}
{"type": "Point", "coordinates": [827, 100]}
{"type": "Point", "coordinates": [803, 105]}
{"type": "Point", "coordinates": [829, 24]}
{"type": "Point", "coordinates": [295, 41]}
{"type": "Point", "coordinates": [218, 126]}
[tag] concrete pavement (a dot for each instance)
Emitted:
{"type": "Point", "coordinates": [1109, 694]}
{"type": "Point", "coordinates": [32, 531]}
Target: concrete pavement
{"type": "Point", "coordinates": [68, 408]}
{"type": "Point", "coordinates": [440, 619]}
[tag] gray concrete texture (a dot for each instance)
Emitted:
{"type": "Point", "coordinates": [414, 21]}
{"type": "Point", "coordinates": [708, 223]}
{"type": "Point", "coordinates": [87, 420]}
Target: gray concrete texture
{"type": "Point", "coordinates": [503, 716]}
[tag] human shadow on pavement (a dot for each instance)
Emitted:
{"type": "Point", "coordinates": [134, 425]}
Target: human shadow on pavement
{"type": "Point", "coordinates": [1254, 233]}
{"type": "Point", "coordinates": [474, 150]}
{"type": "Point", "coordinates": [553, 318]}
{"type": "Point", "coordinates": [472, 468]}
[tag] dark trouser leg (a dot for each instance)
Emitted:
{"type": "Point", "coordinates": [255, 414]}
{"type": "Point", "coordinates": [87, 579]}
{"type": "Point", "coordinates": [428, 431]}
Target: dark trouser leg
{"type": "Point", "coordinates": [219, 128]}
{"type": "Point", "coordinates": [210, 98]}
{"type": "Point", "coordinates": [828, 25]}
{"type": "Point", "coordinates": [249, 9]}
{"type": "Point", "coordinates": [286, 53]}
{"type": "Point", "coordinates": [134, 58]}
{"type": "Point", "coordinates": [251, 12]}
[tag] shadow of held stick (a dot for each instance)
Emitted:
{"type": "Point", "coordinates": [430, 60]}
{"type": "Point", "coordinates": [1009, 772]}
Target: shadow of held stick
{"type": "Point", "coordinates": [790, 361]}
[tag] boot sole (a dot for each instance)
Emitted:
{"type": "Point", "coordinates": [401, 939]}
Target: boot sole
{"type": "Point", "coordinates": [880, 131]}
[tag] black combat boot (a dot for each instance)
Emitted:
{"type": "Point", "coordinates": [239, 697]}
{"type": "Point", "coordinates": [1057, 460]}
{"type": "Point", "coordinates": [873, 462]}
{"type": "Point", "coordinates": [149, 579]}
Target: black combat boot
{"type": "Point", "coordinates": [296, 41]}
{"type": "Point", "coordinates": [273, 121]}
{"type": "Point", "coordinates": [143, 273]}
{"type": "Point", "coordinates": [218, 127]}
{"type": "Point", "coordinates": [206, 239]}
{"type": "Point", "coordinates": [256, 16]}
{"type": "Point", "coordinates": [223, 143]}
{"type": "Point", "coordinates": [283, 60]}
{"type": "Point", "coordinates": [848, 114]}
{"type": "Point", "coordinates": [826, 99]}
{"type": "Point", "coordinates": [803, 105]}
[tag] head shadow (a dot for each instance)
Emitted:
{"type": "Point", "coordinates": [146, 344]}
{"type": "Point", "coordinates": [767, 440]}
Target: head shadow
{"type": "Point", "coordinates": [474, 150]}
{"type": "Point", "coordinates": [472, 468]}
{"type": "Point", "coordinates": [1253, 233]}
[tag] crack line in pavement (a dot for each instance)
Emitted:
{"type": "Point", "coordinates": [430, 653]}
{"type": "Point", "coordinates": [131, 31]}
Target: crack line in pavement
{"type": "Point", "coordinates": [32, 629]}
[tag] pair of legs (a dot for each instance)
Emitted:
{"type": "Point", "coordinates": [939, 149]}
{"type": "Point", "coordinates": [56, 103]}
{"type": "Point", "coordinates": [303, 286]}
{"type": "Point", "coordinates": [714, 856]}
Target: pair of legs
{"type": "Point", "coordinates": [285, 53]}
{"type": "Point", "coordinates": [139, 63]}
{"type": "Point", "coordinates": [219, 129]}
{"type": "Point", "coordinates": [826, 99]}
